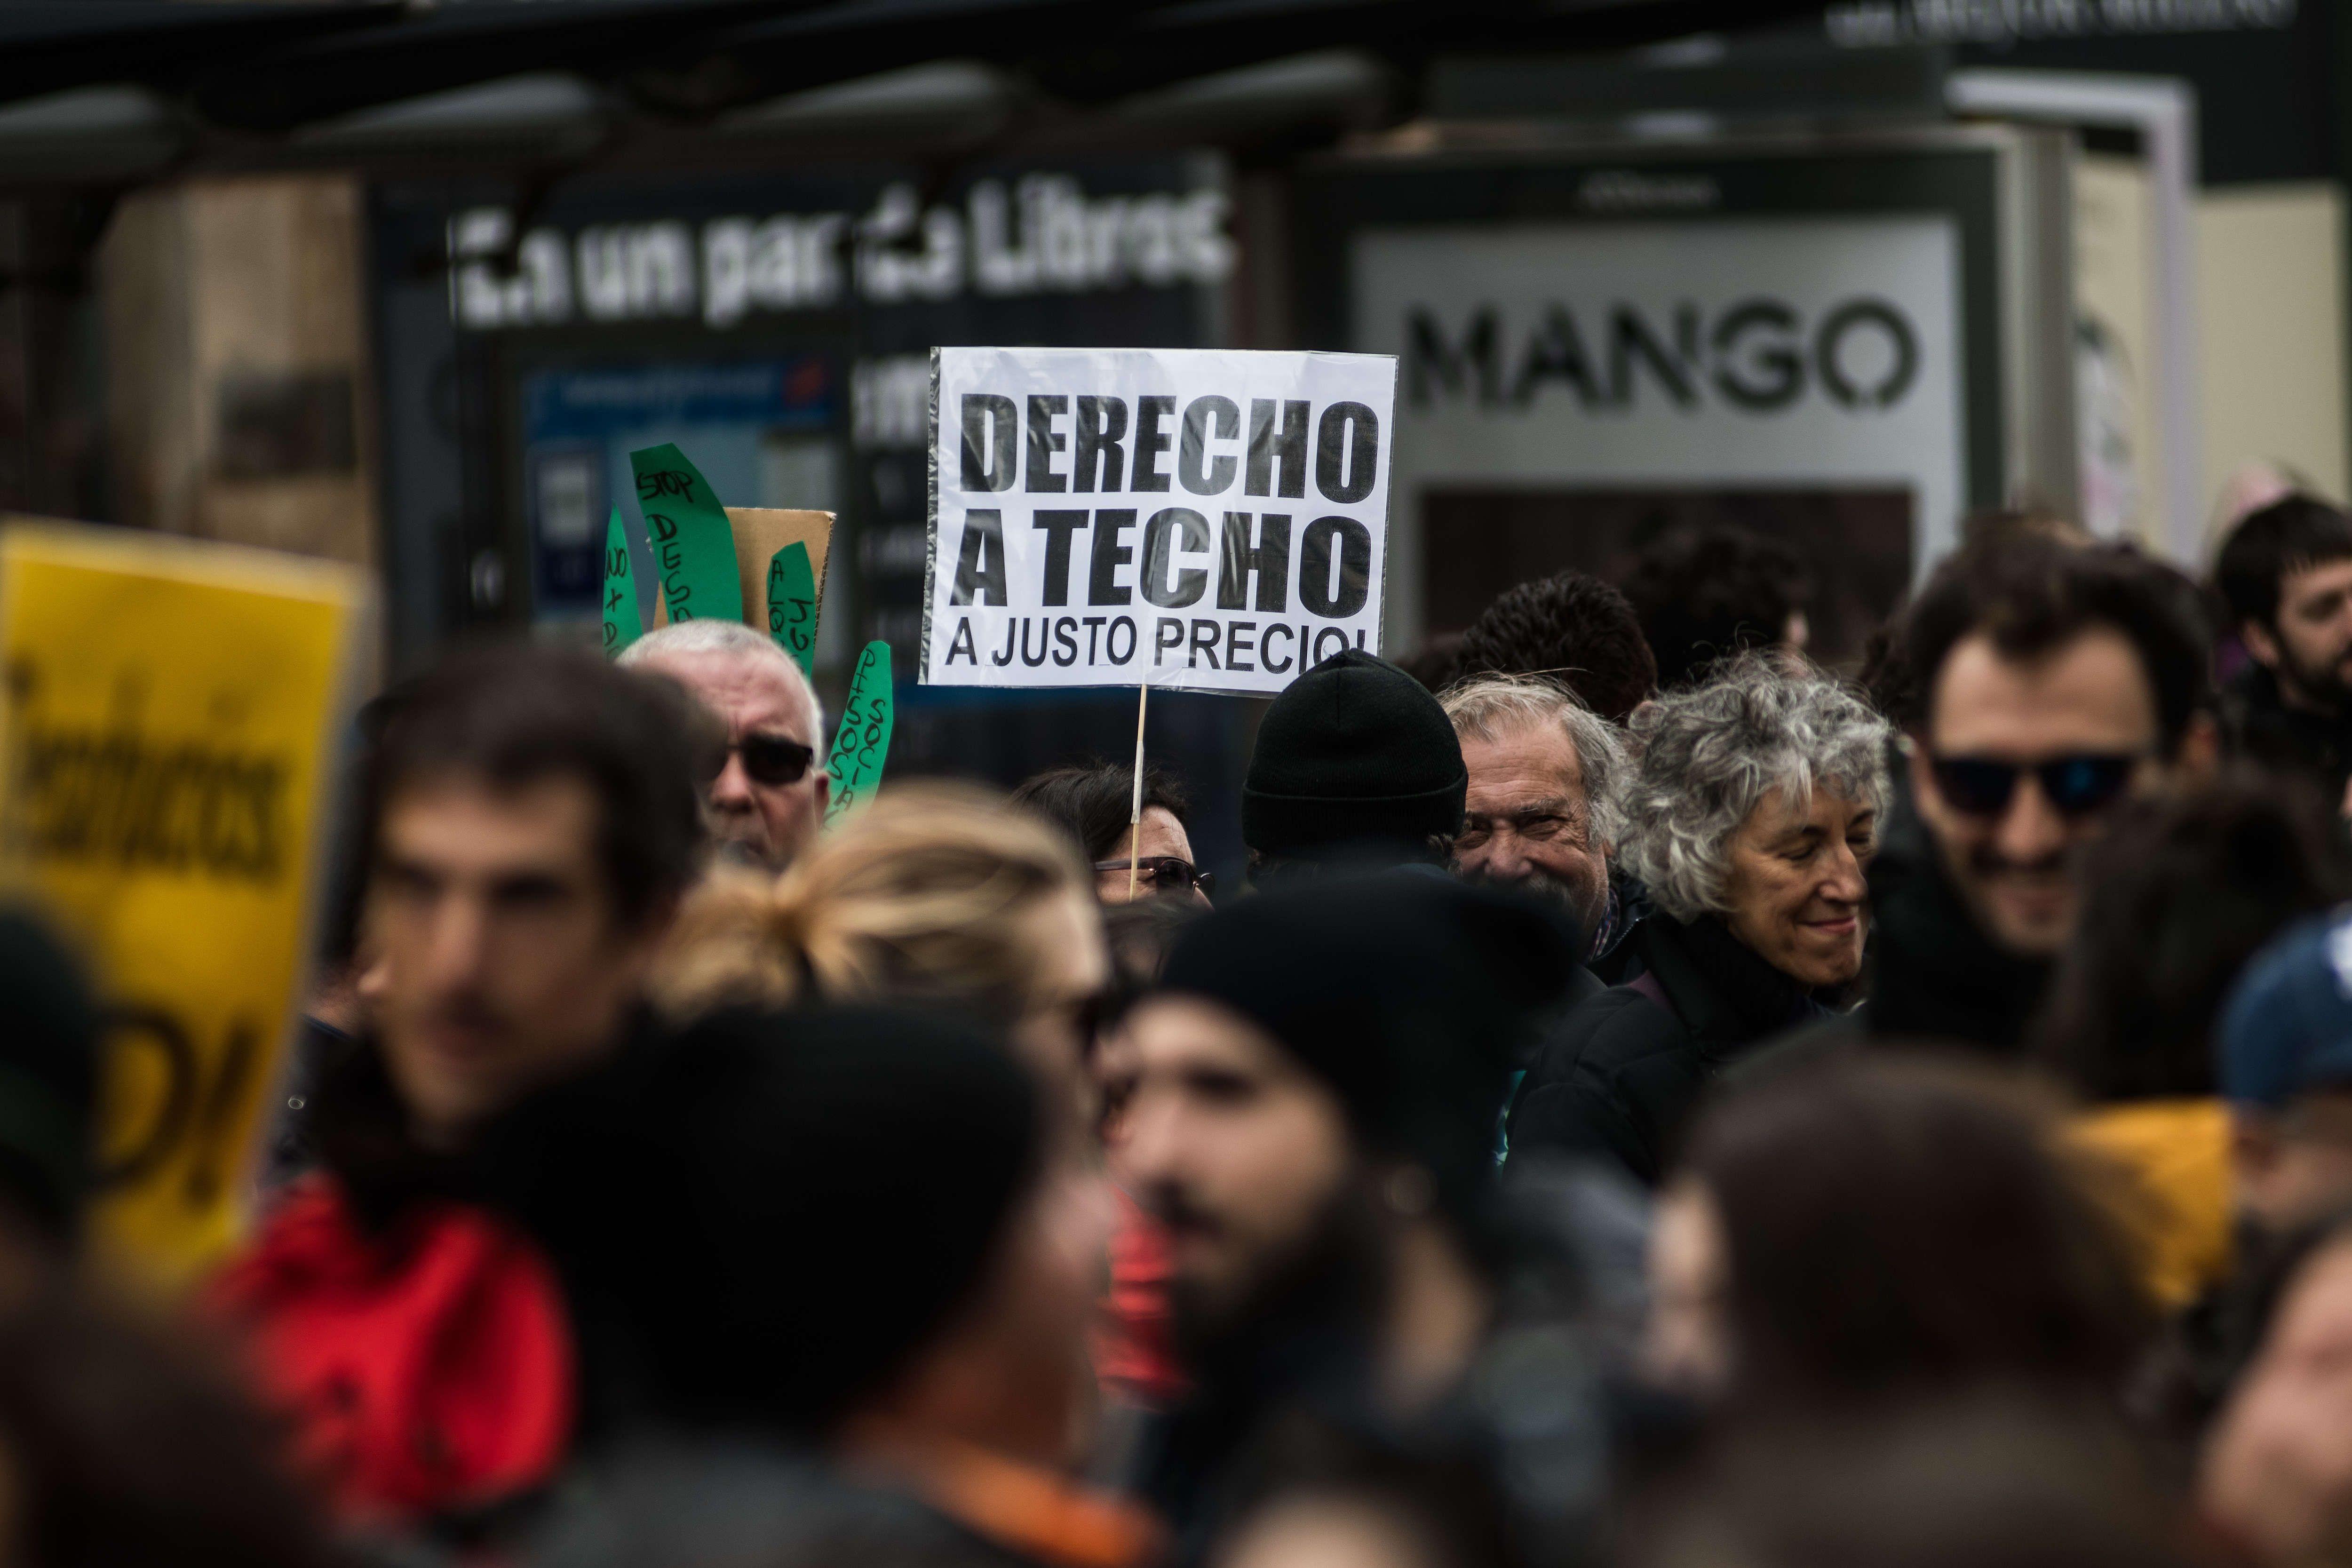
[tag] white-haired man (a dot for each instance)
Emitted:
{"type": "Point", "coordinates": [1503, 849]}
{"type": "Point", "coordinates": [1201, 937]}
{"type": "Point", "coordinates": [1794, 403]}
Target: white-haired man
{"type": "Point", "coordinates": [1542, 809]}
{"type": "Point", "coordinates": [769, 795]}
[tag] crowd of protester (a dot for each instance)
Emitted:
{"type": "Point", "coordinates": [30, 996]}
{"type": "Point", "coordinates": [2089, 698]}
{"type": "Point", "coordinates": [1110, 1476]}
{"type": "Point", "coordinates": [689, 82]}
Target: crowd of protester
{"type": "Point", "coordinates": [1657, 1102]}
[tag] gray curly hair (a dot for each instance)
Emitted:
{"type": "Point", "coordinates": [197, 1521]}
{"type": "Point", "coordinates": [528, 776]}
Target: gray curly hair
{"type": "Point", "coordinates": [1710, 754]}
{"type": "Point", "coordinates": [1491, 706]}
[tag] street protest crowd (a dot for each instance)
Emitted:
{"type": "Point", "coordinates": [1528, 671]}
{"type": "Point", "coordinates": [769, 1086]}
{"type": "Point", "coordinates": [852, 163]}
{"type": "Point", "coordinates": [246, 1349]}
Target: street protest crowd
{"type": "Point", "coordinates": [1656, 1103]}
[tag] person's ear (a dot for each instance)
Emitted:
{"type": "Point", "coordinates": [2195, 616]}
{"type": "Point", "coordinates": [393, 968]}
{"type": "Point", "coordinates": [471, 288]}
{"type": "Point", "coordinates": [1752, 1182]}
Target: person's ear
{"type": "Point", "coordinates": [823, 791]}
{"type": "Point", "coordinates": [2260, 642]}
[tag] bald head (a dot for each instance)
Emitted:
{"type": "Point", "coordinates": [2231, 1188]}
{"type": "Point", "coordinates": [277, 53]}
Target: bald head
{"type": "Point", "coordinates": [765, 801]}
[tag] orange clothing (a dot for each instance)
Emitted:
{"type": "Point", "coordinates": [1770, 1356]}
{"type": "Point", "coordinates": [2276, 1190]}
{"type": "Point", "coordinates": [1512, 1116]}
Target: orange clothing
{"type": "Point", "coordinates": [2177, 1155]}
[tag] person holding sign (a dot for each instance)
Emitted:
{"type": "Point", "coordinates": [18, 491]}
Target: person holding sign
{"type": "Point", "coordinates": [530, 821]}
{"type": "Point", "coordinates": [770, 796]}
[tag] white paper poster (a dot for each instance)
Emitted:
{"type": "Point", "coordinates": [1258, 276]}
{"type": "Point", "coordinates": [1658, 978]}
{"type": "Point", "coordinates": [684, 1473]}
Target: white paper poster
{"type": "Point", "coordinates": [1207, 520]}
{"type": "Point", "coordinates": [1810, 354]}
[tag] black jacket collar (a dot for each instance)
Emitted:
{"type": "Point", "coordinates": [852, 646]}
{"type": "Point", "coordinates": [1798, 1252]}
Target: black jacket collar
{"type": "Point", "coordinates": [1717, 985]}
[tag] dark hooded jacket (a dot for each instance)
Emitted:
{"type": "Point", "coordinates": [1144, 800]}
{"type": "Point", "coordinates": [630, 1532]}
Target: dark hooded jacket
{"type": "Point", "coordinates": [1620, 1079]}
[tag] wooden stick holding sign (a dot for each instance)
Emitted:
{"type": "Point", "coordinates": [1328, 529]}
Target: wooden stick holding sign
{"type": "Point", "coordinates": [863, 743]}
{"type": "Point", "coordinates": [1135, 807]}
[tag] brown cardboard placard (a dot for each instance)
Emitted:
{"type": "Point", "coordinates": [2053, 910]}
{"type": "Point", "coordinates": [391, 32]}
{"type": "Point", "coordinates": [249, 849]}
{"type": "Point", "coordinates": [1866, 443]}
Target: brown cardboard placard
{"type": "Point", "coordinates": [760, 532]}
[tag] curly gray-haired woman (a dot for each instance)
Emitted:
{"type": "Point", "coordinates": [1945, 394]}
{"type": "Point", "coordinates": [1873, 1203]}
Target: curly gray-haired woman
{"type": "Point", "coordinates": [1750, 815]}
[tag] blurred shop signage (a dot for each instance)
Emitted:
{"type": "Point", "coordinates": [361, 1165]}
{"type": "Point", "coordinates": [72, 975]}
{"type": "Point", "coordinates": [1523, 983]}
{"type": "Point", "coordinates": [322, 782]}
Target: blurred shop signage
{"type": "Point", "coordinates": [1039, 234]}
{"type": "Point", "coordinates": [1753, 350]}
{"type": "Point", "coordinates": [1870, 23]}
{"type": "Point", "coordinates": [1756, 353]}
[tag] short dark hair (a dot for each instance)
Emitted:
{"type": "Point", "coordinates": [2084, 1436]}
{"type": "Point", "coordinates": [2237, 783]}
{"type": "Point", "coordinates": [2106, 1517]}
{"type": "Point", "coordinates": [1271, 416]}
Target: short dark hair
{"type": "Point", "coordinates": [1570, 628]}
{"type": "Point", "coordinates": [513, 714]}
{"type": "Point", "coordinates": [1706, 594]}
{"type": "Point", "coordinates": [1091, 802]}
{"type": "Point", "coordinates": [2180, 893]}
{"type": "Point", "coordinates": [2032, 596]}
{"type": "Point", "coordinates": [2283, 536]}
{"type": "Point", "coordinates": [1897, 1222]}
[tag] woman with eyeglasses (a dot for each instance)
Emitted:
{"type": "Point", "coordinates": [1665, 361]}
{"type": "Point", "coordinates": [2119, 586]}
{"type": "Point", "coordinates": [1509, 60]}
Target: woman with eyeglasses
{"type": "Point", "coordinates": [1753, 811]}
{"type": "Point", "coordinates": [1094, 805]}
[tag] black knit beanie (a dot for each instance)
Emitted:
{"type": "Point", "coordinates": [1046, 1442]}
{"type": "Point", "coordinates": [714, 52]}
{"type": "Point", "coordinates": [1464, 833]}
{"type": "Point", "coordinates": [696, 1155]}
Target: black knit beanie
{"type": "Point", "coordinates": [1408, 993]}
{"type": "Point", "coordinates": [1354, 753]}
{"type": "Point", "coordinates": [49, 1074]}
{"type": "Point", "coordinates": [793, 1205]}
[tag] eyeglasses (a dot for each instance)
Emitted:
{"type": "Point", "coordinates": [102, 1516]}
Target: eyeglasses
{"type": "Point", "coordinates": [768, 760]}
{"type": "Point", "coordinates": [2075, 785]}
{"type": "Point", "coordinates": [1167, 874]}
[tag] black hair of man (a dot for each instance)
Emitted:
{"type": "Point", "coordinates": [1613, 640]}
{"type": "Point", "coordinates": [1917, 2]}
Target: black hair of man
{"type": "Point", "coordinates": [2282, 538]}
{"type": "Point", "coordinates": [1705, 595]}
{"type": "Point", "coordinates": [2032, 596]}
{"type": "Point", "coordinates": [511, 715]}
{"type": "Point", "coordinates": [1091, 802]}
{"type": "Point", "coordinates": [1573, 629]}
{"type": "Point", "coordinates": [2180, 893]}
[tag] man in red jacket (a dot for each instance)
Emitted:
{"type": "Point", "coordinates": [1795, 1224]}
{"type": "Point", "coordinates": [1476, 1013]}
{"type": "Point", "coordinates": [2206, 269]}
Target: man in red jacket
{"type": "Point", "coordinates": [530, 819]}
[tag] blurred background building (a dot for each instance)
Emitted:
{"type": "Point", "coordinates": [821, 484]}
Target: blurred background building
{"type": "Point", "coordinates": [402, 283]}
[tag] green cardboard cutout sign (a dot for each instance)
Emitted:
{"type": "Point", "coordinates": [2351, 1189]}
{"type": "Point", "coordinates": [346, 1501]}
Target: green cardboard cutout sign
{"type": "Point", "coordinates": [624, 622]}
{"type": "Point", "coordinates": [694, 544]}
{"type": "Point", "coordinates": [792, 605]}
{"type": "Point", "coordinates": [863, 742]}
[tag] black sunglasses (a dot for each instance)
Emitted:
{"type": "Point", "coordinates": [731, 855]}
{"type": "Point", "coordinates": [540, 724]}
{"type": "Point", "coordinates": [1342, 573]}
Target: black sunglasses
{"type": "Point", "coordinates": [1167, 874]}
{"type": "Point", "coordinates": [2075, 786]}
{"type": "Point", "coordinates": [768, 760]}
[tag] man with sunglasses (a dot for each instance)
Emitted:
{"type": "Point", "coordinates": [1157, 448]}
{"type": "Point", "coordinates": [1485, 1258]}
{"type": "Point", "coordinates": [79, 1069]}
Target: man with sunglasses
{"type": "Point", "coordinates": [2055, 681]}
{"type": "Point", "coordinates": [767, 797]}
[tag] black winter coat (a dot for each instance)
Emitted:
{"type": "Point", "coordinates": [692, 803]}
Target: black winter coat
{"type": "Point", "coordinates": [2290, 739]}
{"type": "Point", "coordinates": [1620, 1078]}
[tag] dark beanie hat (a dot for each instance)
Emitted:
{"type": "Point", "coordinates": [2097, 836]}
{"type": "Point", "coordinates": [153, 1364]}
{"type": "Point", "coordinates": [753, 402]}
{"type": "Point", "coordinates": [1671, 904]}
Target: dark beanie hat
{"type": "Point", "coordinates": [1354, 752]}
{"type": "Point", "coordinates": [789, 1206]}
{"type": "Point", "coordinates": [1408, 993]}
{"type": "Point", "coordinates": [49, 1074]}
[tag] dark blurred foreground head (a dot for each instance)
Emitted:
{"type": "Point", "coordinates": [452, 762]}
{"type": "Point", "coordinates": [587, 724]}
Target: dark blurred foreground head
{"type": "Point", "coordinates": [48, 1083]}
{"type": "Point", "coordinates": [2275, 1481]}
{"type": "Point", "coordinates": [119, 1449]}
{"type": "Point", "coordinates": [1987, 1476]}
{"type": "Point", "coordinates": [1843, 1233]}
{"type": "Point", "coordinates": [1569, 627]}
{"type": "Point", "coordinates": [846, 1261]}
{"type": "Point", "coordinates": [2178, 897]}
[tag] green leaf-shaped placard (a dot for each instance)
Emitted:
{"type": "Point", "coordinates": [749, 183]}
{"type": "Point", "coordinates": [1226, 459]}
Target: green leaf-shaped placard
{"type": "Point", "coordinates": [863, 742]}
{"type": "Point", "coordinates": [792, 605]}
{"type": "Point", "coordinates": [624, 622]}
{"type": "Point", "coordinates": [694, 546]}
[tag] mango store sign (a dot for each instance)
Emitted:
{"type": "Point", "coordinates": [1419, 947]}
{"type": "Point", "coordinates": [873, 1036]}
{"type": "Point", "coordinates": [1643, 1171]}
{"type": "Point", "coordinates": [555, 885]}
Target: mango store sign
{"type": "Point", "coordinates": [1207, 520]}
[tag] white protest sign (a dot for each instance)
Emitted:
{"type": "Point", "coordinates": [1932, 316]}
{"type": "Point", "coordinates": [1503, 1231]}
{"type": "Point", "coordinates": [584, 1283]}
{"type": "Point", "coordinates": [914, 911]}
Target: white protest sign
{"type": "Point", "coordinates": [1208, 520]}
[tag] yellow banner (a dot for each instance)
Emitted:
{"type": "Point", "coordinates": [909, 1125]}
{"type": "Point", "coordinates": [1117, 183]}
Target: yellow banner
{"type": "Point", "coordinates": [167, 720]}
